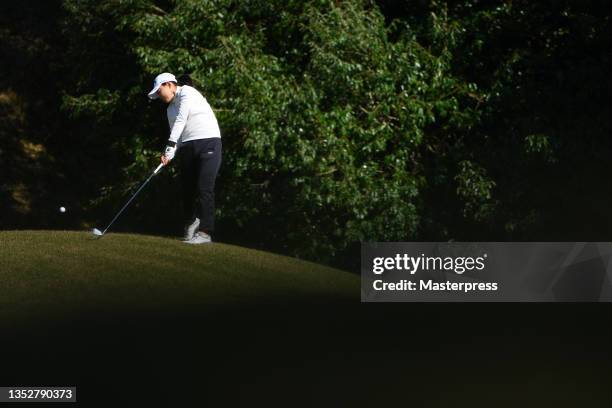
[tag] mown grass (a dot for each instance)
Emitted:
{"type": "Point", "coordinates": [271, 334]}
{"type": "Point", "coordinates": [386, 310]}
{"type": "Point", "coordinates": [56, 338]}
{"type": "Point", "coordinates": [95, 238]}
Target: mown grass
{"type": "Point", "coordinates": [220, 325]}
{"type": "Point", "coordinates": [66, 272]}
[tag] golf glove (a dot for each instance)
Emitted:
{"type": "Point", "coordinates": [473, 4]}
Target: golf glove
{"type": "Point", "coordinates": [169, 152]}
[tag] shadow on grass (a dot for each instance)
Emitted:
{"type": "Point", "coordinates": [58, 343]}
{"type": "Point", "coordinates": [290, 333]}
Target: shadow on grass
{"type": "Point", "coordinates": [322, 353]}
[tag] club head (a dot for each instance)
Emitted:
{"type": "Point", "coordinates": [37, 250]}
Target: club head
{"type": "Point", "coordinates": [97, 232]}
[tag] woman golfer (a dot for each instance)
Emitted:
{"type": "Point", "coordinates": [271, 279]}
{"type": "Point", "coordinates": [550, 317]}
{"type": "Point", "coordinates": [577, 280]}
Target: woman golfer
{"type": "Point", "coordinates": [194, 132]}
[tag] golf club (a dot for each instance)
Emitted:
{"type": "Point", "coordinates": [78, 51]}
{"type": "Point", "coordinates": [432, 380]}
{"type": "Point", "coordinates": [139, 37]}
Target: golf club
{"type": "Point", "coordinates": [99, 233]}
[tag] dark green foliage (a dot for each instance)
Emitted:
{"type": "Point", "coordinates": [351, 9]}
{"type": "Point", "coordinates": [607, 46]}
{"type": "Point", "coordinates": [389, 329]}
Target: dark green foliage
{"type": "Point", "coordinates": [324, 118]}
{"type": "Point", "coordinates": [342, 121]}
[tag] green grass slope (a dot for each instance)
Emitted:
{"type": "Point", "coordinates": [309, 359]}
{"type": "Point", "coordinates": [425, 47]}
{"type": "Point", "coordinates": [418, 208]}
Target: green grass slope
{"type": "Point", "coordinates": [65, 272]}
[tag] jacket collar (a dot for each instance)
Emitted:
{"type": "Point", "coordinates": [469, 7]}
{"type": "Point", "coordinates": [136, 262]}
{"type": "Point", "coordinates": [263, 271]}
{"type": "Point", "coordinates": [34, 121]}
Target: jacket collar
{"type": "Point", "coordinates": [179, 89]}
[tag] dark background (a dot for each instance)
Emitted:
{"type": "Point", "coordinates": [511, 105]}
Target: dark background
{"type": "Point", "coordinates": [327, 353]}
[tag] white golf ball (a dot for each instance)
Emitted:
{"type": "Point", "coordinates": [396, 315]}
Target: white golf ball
{"type": "Point", "coordinates": [62, 209]}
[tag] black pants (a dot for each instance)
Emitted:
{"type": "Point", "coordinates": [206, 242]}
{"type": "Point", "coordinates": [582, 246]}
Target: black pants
{"type": "Point", "coordinates": [199, 163]}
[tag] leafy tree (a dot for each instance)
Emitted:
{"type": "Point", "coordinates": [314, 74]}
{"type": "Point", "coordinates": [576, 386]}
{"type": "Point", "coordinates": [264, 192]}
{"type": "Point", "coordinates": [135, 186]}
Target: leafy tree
{"type": "Point", "coordinates": [545, 123]}
{"type": "Point", "coordinates": [324, 117]}
{"type": "Point", "coordinates": [341, 121]}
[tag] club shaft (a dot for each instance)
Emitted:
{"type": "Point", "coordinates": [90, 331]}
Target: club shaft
{"type": "Point", "coordinates": [128, 203]}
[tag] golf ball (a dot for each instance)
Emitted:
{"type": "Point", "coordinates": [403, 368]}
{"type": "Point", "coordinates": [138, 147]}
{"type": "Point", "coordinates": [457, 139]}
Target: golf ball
{"type": "Point", "coordinates": [62, 209]}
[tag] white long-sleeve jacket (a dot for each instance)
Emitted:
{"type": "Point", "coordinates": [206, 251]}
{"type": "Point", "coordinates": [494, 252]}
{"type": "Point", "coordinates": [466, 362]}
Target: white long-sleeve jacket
{"type": "Point", "coordinates": [191, 117]}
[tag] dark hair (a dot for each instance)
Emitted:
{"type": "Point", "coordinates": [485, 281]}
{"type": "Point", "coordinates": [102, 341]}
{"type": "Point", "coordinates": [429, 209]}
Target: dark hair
{"type": "Point", "coordinates": [185, 79]}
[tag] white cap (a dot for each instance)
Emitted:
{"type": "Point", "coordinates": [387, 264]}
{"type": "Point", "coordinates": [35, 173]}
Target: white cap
{"type": "Point", "coordinates": [159, 80]}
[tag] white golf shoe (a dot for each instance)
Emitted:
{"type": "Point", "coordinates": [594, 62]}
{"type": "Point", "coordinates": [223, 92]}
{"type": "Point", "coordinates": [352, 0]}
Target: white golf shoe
{"type": "Point", "coordinates": [191, 229]}
{"type": "Point", "coordinates": [199, 238]}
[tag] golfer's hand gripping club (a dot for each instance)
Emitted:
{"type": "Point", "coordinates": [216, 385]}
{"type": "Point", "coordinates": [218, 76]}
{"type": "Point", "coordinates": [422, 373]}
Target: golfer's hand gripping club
{"type": "Point", "coordinates": [168, 154]}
